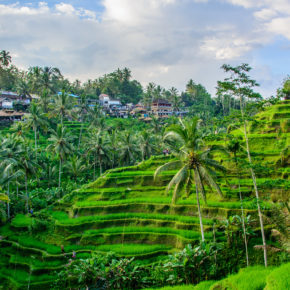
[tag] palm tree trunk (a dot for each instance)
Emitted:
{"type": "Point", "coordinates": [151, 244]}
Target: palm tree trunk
{"type": "Point", "coordinates": [26, 191]}
{"type": "Point", "coordinates": [255, 185]}
{"type": "Point", "coordinates": [35, 142]}
{"type": "Point", "coordinates": [59, 173]}
{"type": "Point", "coordinates": [100, 163]}
{"type": "Point", "coordinates": [242, 209]}
{"type": "Point", "coordinates": [199, 213]}
{"type": "Point", "coordinates": [80, 136]}
{"type": "Point", "coordinates": [94, 166]}
{"type": "Point", "coordinates": [8, 204]}
{"type": "Point", "coordinates": [17, 188]}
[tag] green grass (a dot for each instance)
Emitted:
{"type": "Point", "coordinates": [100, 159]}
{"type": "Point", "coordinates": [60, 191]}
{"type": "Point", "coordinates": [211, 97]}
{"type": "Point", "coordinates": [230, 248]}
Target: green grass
{"type": "Point", "coordinates": [205, 285]}
{"type": "Point", "coordinates": [167, 201]}
{"type": "Point", "coordinates": [133, 249]}
{"type": "Point", "coordinates": [279, 278]}
{"type": "Point", "coordinates": [253, 278]}
{"type": "Point", "coordinates": [21, 221]}
{"type": "Point", "coordinates": [179, 287]}
{"type": "Point", "coordinates": [29, 242]}
{"type": "Point", "coordinates": [126, 216]}
{"type": "Point", "coordinates": [146, 230]}
{"type": "Point", "coordinates": [34, 263]}
{"type": "Point", "coordinates": [23, 277]}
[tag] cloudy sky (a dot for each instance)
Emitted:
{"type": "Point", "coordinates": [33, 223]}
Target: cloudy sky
{"type": "Point", "coordinates": [164, 41]}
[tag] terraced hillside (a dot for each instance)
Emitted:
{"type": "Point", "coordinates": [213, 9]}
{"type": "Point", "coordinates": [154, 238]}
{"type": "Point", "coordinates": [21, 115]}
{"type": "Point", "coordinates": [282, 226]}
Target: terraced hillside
{"type": "Point", "coordinates": [127, 212]}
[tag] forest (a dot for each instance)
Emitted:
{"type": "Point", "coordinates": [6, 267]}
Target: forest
{"type": "Point", "coordinates": [91, 201]}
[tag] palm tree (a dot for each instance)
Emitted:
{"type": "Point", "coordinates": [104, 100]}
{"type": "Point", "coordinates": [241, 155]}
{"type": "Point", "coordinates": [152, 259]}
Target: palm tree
{"type": "Point", "coordinates": [5, 58]}
{"type": "Point", "coordinates": [28, 167]}
{"type": "Point", "coordinates": [234, 146]}
{"type": "Point", "coordinates": [175, 100]}
{"type": "Point", "coordinates": [147, 144]}
{"type": "Point", "coordinates": [10, 153]}
{"type": "Point", "coordinates": [23, 88]}
{"type": "Point", "coordinates": [128, 148]}
{"type": "Point", "coordinates": [97, 146]}
{"type": "Point", "coordinates": [61, 145]}
{"type": "Point", "coordinates": [82, 110]}
{"type": "Point", "coordinates": [44, 101]}
{"type": "Point", "coordinates": [75, 166]}
{"type": "Point", "coordinates": [195, 166]}
{"type": "Point", "coordinates": [48, 76]}
{"type": "Point", "coordinates": [240, 85]}
{"type": "Point", "coordinates": [63, 106]}
{"type": "Point", "coordinates": [35, 120]}
{"type": "Point", "coordinates": [113, 143]}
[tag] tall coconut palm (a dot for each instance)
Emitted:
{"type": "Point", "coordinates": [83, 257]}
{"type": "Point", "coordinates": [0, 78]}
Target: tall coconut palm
{"type": "Point", "coordinates": [48, 76]}
{"type": "Point", "coordinates": [28, 166]}
{"type": "Point", "coordinates": [234, 146]}
{"type": "Point", "coordinates": [128, 148]}
{"type": "Point", "coordinates": [5, 58]}
{"type": "Point", "coordinates": [239, 84]}
{"type": "Point", "coordinates": [10, 153]}
{"type": "Point", "coordinates": [97, 146]}
{"type": "Point", "coordinates": [195, 165]}
{"type": "Point", "coordinates": [35, 120]}
{"type": "Point", "coordinates": [113, 143]}
{"type": "Point", "coordinates": [62, 106]}
{"type": "Point", "coordinates": [61, 144]}
{"type": "Point", "coordinates": [75, 166]}
{"type": "Point", "coordinates": [44, 101]}
{"type": "Point", "coordinates": [82, 111]}
{"type": "Point", "coordinates": [147, 144]}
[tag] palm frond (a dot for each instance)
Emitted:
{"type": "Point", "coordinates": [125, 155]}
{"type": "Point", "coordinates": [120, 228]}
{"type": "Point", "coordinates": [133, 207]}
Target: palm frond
{"type": "Point", "coordinates": [180, 180]}
{"type": "Point", "coordinates": [167, 166]}
{"type": "Point", "coordinates": [199, 185]}
{"type": "Point", "coordinates": [209, 179]}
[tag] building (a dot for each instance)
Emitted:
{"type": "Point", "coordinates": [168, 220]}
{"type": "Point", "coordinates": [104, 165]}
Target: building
{"type": "Point", "coordinates": [108, 103]}
{"type": "Point", "coordinates": [161, 108]}
{"type": "Point", "coordinates": [10, 116]}
{"type": "Point", "coordinates": [9, 99]}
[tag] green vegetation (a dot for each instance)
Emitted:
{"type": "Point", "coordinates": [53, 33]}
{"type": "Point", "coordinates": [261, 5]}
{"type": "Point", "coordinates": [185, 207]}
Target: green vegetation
{"type": "Point", "coordinates": [94, 201]}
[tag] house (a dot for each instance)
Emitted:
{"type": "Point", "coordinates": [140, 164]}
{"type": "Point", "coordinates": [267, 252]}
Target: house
{"type": "Point", "coordinates": [161, 108]}
{"type": "Point", "coordinates": [106, 102]}
{"type": "Point", "coordinates": [9, 99]}
{"type": "Point", "coordinates": [10, 115]}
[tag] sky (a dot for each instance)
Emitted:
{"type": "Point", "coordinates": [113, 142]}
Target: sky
{"type": "Point", "coordinates": [166, 42]}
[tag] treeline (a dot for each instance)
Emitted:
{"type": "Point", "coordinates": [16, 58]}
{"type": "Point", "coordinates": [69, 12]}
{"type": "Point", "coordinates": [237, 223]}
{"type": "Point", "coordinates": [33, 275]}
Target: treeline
{"type": "Point", "coordinates": [119, 84]}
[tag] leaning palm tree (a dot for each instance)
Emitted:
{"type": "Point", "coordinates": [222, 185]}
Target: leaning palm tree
{"type": "Point", "coordinates": [61, 145]}
{"type": "Point", "coordinates": [194, 163]}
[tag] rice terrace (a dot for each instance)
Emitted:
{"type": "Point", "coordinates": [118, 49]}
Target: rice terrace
{"type": "Point", "coordinates": [116, 182]}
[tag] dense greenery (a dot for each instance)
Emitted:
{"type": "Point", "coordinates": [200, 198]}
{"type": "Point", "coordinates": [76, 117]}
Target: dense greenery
{"type": "Point", "coordinates": [91, 201]}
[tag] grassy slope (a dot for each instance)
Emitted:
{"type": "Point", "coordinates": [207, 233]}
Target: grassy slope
{"type": "Point", "coordinates": [254, 278]}
{"type": "Point", "coordinates": [127, 212]}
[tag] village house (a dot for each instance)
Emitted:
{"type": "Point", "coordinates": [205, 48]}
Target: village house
{"type": "Point", "coordinates": [8, 116]}
{"type": "Point", "coordinates": [161, 108]}
{"type": "Point", "coordinates": [8, 100]}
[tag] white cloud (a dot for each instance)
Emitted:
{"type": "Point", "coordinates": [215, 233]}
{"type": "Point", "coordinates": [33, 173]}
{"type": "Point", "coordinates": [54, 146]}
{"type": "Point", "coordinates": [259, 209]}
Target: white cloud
{"type": "Point", "coordinates": [65, 8]}
{"type": "Point", "coordinates": [164, 41]}
{"type": "Point", "coordinates": [280, 25]}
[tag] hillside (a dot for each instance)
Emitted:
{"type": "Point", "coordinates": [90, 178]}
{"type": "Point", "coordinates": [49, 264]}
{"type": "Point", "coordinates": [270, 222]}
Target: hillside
{"type": "Point", "coordinates": [127, 212]}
